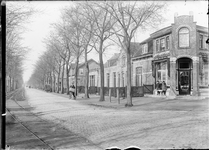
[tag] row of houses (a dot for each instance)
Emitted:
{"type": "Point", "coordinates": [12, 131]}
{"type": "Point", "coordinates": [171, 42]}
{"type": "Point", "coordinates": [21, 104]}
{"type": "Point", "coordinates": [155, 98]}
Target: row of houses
{"type": "Point", "coordinates": [177, 54]}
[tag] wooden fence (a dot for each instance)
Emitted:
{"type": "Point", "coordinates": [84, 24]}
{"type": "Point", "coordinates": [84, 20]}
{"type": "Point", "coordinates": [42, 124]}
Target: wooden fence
{"type": "Point", "coordinates": [136, 91]}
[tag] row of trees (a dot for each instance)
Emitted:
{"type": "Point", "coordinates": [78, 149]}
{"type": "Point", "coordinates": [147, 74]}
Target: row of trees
{"type": "Point", "coordinates": [93, 26]}
{"type": "Point", "coordinates": [16, 17]}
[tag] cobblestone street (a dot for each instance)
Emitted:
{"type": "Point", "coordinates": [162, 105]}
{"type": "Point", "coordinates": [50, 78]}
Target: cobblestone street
{"type": "Point", "coordinates": [150, 123]}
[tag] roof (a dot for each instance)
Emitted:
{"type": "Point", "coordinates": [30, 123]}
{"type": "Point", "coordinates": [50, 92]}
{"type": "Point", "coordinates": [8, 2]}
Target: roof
{"type": "Point", "coordinates": [115, 56]}
{"type": "Point", "coordinates": [90, 60]}
{"type": "Point", "coordinates": [161, 32]}
{"type": "Point", "coordinates": [201, 28]}
{"type": "Point", "coordinates": [134, 48]}
{"type": "Point", "coordinates": [150, 48]}
{"type": "Point", "coordinates": [112, 61]}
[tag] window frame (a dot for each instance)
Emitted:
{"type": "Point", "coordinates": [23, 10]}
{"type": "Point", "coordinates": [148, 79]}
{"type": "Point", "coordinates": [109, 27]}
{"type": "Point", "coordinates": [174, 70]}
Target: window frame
{"type": "Point", "coordinates": [167, 41]}
{"type": "Point", "coordinates": [157, 45]}
{"type": "Point", "coordinates": [182, 47]}
{"type": "Point", "coordinates": [139, 76]}
{"type": "Point", "coordinates": [162, 39]}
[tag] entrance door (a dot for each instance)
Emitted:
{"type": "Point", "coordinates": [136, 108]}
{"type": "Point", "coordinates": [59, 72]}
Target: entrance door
{"type": "Point", "coordinates": [184, 82]}
{"type": "Point", "coordinates": [184, 75]}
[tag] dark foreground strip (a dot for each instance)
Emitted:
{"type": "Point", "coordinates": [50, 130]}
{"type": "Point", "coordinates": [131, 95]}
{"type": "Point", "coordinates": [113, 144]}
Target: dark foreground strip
{"type": "Point", "coordinates": [19, 121]}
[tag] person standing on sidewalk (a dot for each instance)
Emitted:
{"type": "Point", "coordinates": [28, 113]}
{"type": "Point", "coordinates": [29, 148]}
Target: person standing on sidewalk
{"type": "Point", "coordinates": [72, 91]}
{"type": "Point", "coordinates": [164, 88]}
{"type": "Point", "coordinates": [158, 87]}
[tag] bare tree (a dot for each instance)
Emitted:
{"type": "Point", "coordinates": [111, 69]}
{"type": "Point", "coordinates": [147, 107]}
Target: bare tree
{"type": "Point", "coordinates": [131, 16]}
{"type": "Point", "coordinates": [16, 17]}
{"type": "Point", "coordinates": [103, 23]}
{"type": "Point", "coordinates": [55, 44]}
{"type": "Point", "coordinates": [74, 27]}
{"type": "Point", "coordinates": [88, 38]}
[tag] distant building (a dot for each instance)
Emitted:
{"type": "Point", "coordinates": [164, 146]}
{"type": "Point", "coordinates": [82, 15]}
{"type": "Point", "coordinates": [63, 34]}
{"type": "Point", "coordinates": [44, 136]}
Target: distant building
{"type": "Point", "coordinates": [115, 69]}
{"type": "Point", "coordinates": [93, 73]}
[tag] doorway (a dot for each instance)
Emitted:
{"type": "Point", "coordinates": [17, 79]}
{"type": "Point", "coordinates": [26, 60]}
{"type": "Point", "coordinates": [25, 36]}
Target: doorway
{"type": "Point", "coordinates": [184, 75]}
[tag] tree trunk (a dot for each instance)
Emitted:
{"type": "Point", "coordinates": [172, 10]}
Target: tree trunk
{"type": "Point", "coordinates": [51, 81]}
{"type": "Point", "coordinates": [67, 76]}
{"type": "Point", "coordinates": [54, 86]}
{"type": "Point", "coordinates": [102, 98]}
{"type": "Point", "coordinates": [86, 75]}
{"type": "Point", "coordinates": [62, 79]}
{"type": "Point", "coordinates": [76, 75]}
{"type": "Point", "coordinates": [58, 80]}
{"type": "Point", "coordinates": [129, 96]}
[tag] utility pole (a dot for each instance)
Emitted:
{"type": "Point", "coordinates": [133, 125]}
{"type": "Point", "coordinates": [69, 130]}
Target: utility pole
{"type": "Point", "coordinates": [2, 75]}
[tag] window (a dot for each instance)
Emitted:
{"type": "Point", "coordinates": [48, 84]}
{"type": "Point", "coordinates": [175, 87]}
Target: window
{"type": "Point", "coordinates": [144, 49]}
{"type": "Point", "coordinates": [108, 80]}
{"type": "Point", "coordinates": [92, 80]}
{"type": "Point", "coordinates": [118, 79]}
{"type": "Point", "coordinates": [114, 79]}
{"type": "Point", "coordinates": [139, 76]}
{"type": "Point", "coordinates": [184, 37]}
{"type": "Point", "coordinates": [157, 45]}
{"type": "Point", "coordinates": [167, 42]}
{"type": "Point", "coordinates": [81, 71]}
{"type": "Point", "coordinates": [204, 42]}
{"type": "Point", "coordinates": [123, 80]}
{"type": "Point", "coordinates": [162, 44]}
{"type": "Point", "coordinates": [161, 72]}
{"type": "Point", "coordinates": [201, 41]}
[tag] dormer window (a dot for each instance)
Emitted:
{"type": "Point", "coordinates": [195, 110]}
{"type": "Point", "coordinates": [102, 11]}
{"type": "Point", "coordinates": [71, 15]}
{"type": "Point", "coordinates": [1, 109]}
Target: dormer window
{"type": "Point", "coordinates": [184, 37]}
{"type": "Point", "coordinates": [144, 49]}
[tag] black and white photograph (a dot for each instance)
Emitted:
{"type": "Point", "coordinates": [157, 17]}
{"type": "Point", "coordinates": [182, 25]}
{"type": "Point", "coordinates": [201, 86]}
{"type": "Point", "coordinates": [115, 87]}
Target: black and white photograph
{"type": "Point", "coordinates": [102, 75]}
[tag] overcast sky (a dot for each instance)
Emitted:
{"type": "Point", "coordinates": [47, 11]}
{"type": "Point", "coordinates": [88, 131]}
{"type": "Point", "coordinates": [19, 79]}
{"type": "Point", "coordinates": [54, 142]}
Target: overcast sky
{"type": "Point", "coordinates": [49, 12]}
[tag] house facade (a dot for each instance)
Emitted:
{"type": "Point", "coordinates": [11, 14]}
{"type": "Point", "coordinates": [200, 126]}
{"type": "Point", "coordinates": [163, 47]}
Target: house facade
{"type": "Point", "coordinates": [93, 73]}
{"type": "Point", "coordinates": [180, 56]}
{"type": "Point", "coordinates": [177, 54]}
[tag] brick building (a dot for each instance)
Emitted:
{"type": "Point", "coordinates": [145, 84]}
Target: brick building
{"type": "Point", "coordinates": [180, 56]}
{"type": "Point", "coordinates": [177, 54]}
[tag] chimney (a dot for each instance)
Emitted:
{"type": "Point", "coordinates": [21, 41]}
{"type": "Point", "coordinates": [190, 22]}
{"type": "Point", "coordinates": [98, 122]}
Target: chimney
{"type": "Point", "coordinates": [175, 16]}
{"type": "Point", "coordinates": [191, 16]}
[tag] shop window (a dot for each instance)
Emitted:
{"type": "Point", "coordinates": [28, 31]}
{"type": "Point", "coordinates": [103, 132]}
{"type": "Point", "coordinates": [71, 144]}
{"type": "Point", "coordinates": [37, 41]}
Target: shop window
{"type": "Point", "coordinates": [139, 76]}
{"type": "Point", "coordinates": [184, 37]}
{"type": "Point", "coordinates": [162, 44]}
{"type": "Point", "coordinates": [161, 72]}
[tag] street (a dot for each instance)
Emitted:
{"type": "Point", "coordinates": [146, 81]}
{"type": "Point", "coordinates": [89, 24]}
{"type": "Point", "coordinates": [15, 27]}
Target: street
{"type": "Point", "coordinates": [150, 123]}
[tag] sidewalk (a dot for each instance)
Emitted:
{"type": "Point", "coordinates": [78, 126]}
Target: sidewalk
{"type": "Point", "coordinates": [115, 104]}
{"type": "Point", "coordinates": [138, 102]}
